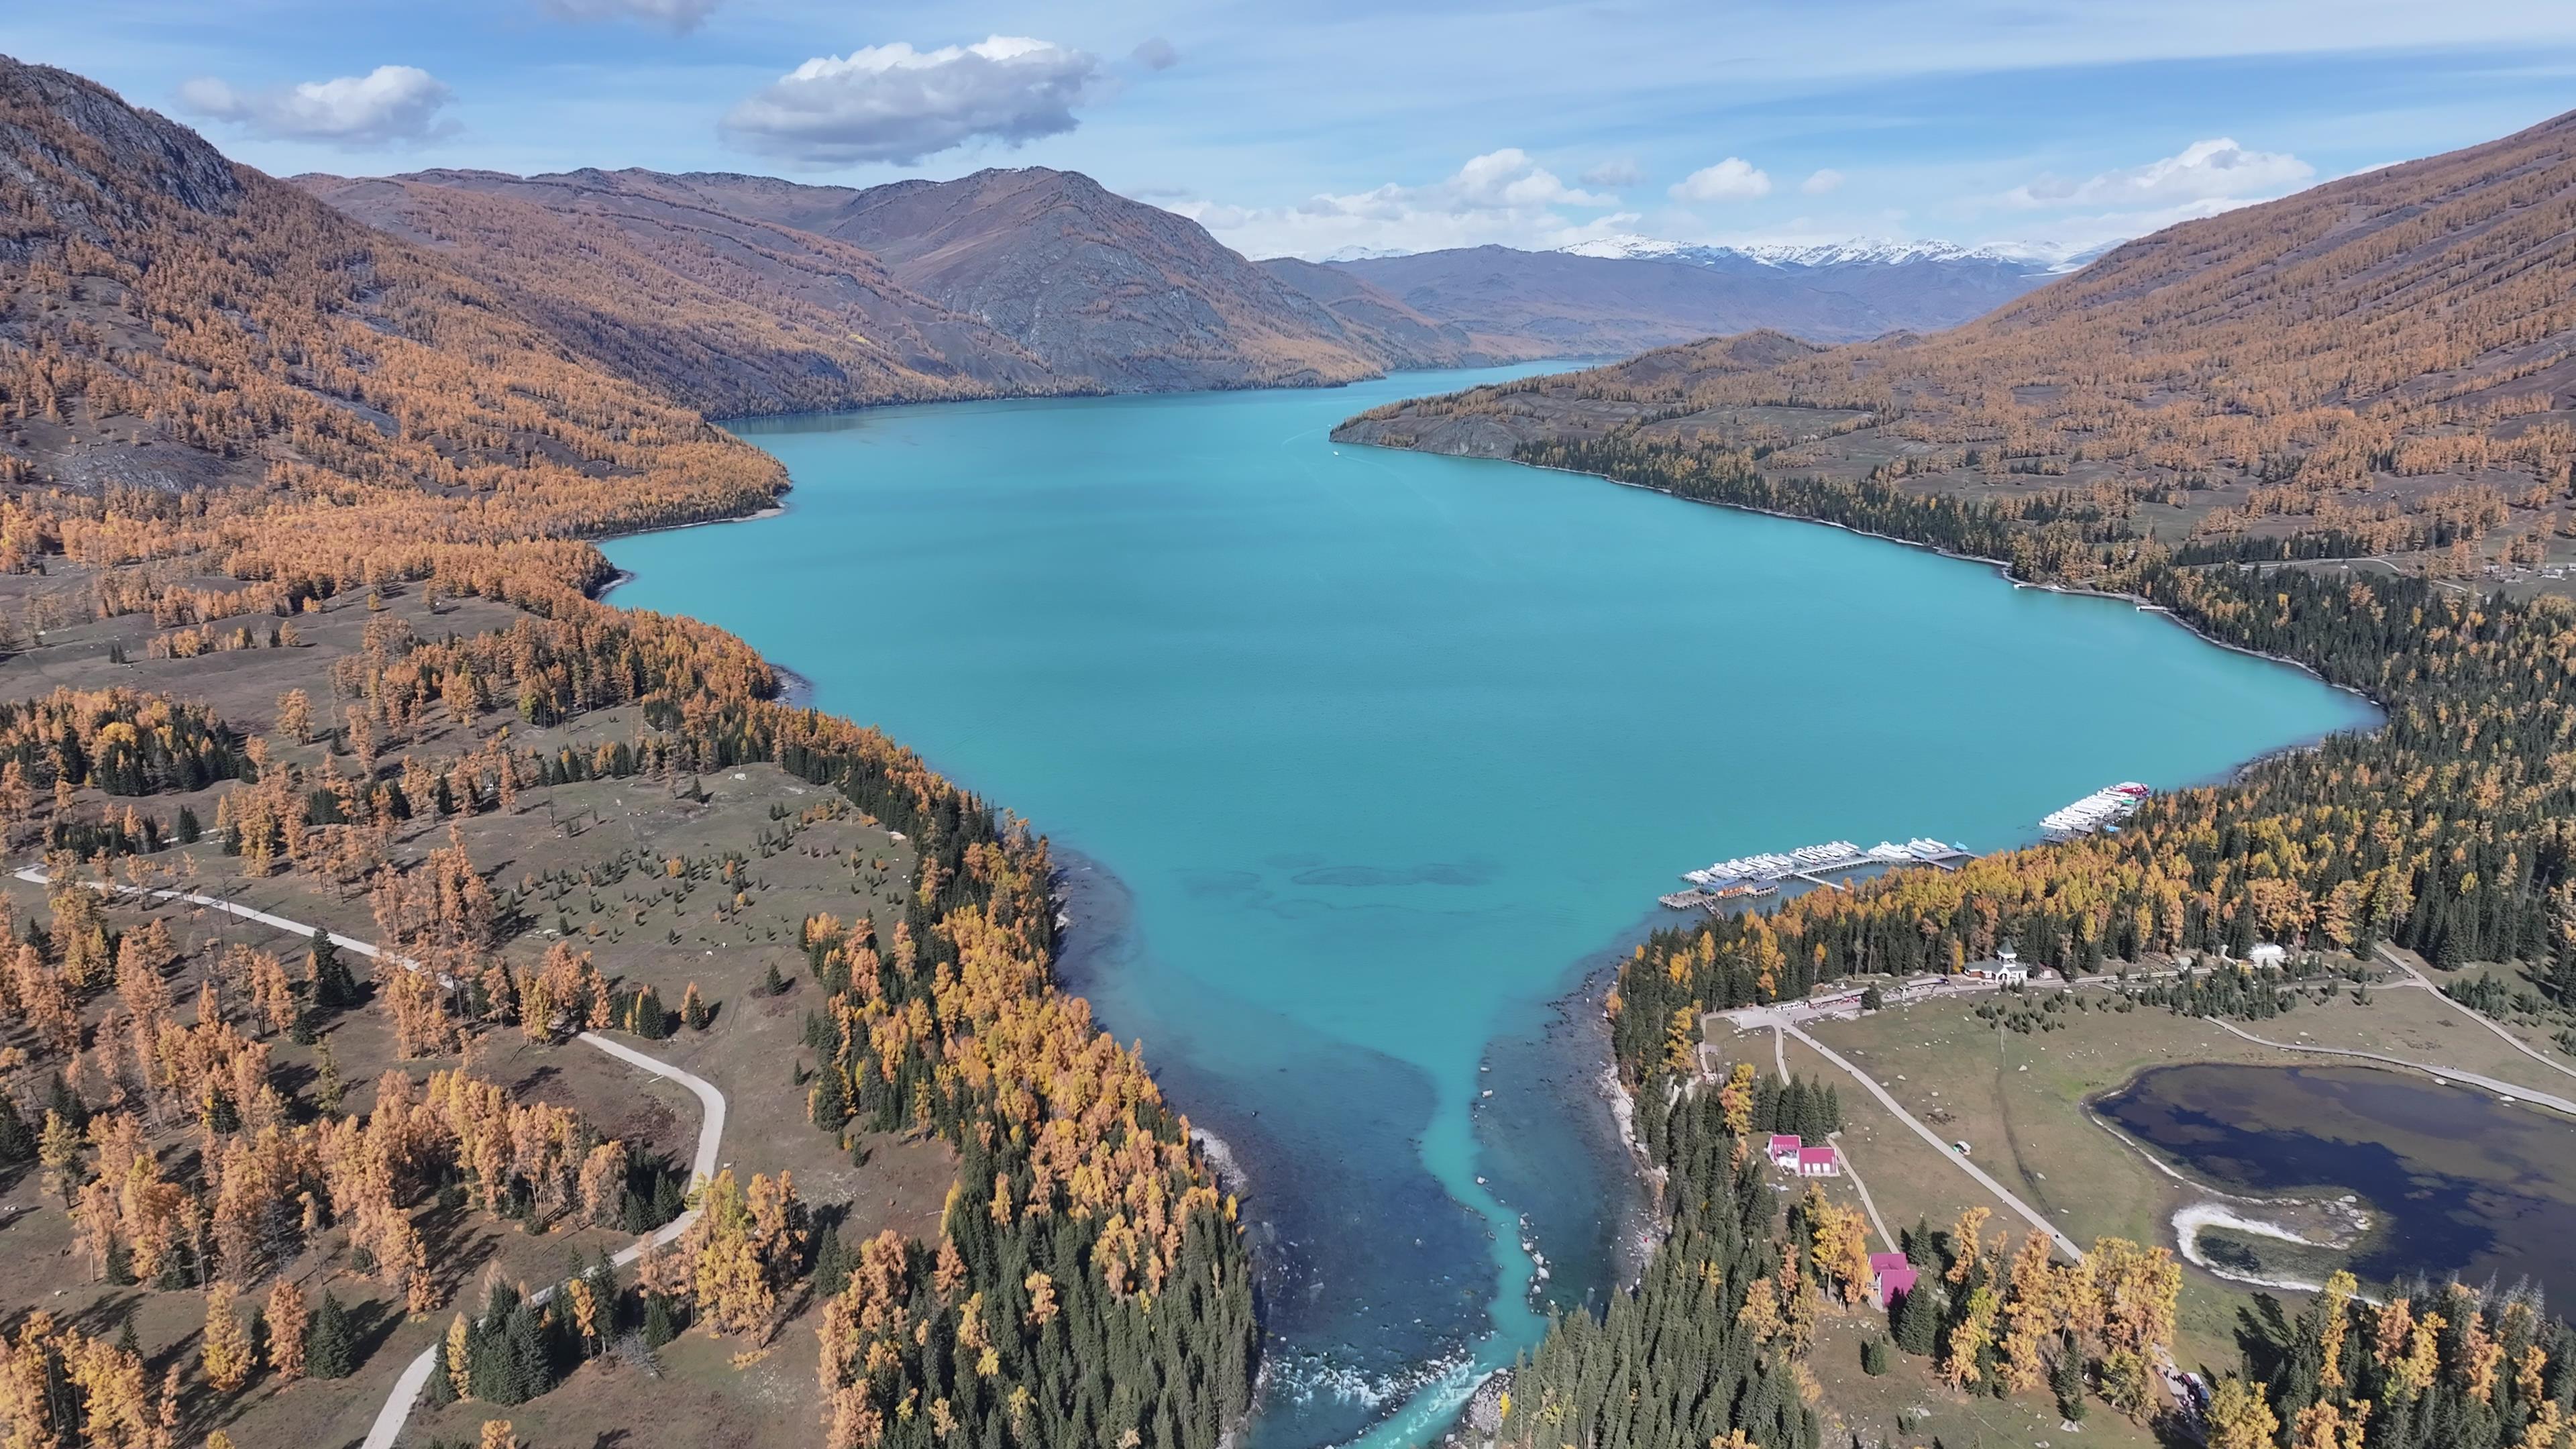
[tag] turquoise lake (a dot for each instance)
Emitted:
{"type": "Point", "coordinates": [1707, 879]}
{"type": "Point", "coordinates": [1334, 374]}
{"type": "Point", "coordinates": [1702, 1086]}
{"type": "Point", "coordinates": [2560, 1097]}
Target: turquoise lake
{"type": "Point", "coordinates": [1363, 760]}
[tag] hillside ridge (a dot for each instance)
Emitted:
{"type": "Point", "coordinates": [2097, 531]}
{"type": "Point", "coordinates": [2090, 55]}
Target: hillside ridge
{"type": "Point", "coordinates": [2385, 363]}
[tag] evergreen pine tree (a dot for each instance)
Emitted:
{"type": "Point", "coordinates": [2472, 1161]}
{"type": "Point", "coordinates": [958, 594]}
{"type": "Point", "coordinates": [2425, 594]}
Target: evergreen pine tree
{"type": "Point", "coordinates": [330, 1344]}
{"type": "Point", "coordinates": [831, 1101]}
{"type": "Point", "coordinates": [645, 1016]}
{"type": "Point", "coordinates": [832, 1263]}
{"type": "Point", "coordinates": [1921, 1250]}
{"type": "Point", "coordinates": [2066, 1380]}
{"type": "Point", "coordinates": [659, 1328]}
{"type": "Point", "coordinates": [17, 1139]}
{"type": "Point", "coordinates": [1918, 1321]}
{"type": "Point", "coordinates": [526, 1371]}
{"type": "Point", "coordinates": [442, 1384]}
{"type": "Point", "coordinates": [334, 988]}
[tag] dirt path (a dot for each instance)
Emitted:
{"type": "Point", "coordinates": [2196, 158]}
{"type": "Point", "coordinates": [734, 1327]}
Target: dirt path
{"type": "Point", "coordinates": [2517, 1043]}
{"type": "Point", "coordinates": [1983, 1178]}
{"type": "Point", "coordinates": [2439, 1074]}
{"type": "Point", "coordinates": [415, 1375]}
{"type": "Point", "coordinates": [1851, 1169]}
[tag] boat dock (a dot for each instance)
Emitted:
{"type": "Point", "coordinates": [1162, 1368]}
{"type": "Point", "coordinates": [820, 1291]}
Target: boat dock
{"type": "Point", "coordinates": [2104, 809]}
{"type": "Point", "coordinates": [1730, 881]}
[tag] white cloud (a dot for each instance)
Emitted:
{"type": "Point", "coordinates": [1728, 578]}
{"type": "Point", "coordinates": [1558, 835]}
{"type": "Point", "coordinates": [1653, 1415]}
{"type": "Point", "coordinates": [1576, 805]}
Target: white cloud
{"type": "Point", "coordinates": [1733, 179]}
{"type": "Point", "coordinates": [1619, 172]}
{"type": "Point", "coordinates": [1824, 180]}
{"type": "Point", "coordinates": [1156, 54]}
{"type": "Point", "coordinates": [681, 16]}
{"type": "Point", "coordinates": [389, 103]}
{"type": "Point", "coordinates": [2082, 231]}
{"type": "Point", "coordinates": [2205, 171]}
{"type": "Point", "coordinates": [1509, 179]}
{"type": "Point", "coordinates": [1502, 197]}
{"type": "Point", "coordinates": [894, 103]}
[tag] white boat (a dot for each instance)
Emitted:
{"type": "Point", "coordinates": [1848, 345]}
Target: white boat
{"type": "Point", "coordinates": [2106, 806]}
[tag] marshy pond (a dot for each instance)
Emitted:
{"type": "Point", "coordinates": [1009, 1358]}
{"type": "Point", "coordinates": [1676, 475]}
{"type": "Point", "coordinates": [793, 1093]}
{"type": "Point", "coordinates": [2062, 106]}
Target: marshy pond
{"type": "Point", "coordinates": [2451, 1181]}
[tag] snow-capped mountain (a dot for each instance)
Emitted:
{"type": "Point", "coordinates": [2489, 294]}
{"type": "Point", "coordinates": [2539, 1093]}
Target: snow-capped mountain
{"type": "Point", "coordinates": [1622, 295]}
{"type": "Point", "coordinates": [1859, 251]}
{"type": "Point", "coordinates": [1357, 253]}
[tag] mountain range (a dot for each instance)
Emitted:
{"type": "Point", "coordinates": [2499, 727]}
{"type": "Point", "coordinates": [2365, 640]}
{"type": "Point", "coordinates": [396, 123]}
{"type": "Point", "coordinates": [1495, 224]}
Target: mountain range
{"type": "Point", "coordinates": [745, 294]}
{"type": "Point", "coordinates": [2026, 256]}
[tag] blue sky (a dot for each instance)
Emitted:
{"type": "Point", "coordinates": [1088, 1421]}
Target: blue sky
{"type": "Point", "coordinates": [1313, 127]}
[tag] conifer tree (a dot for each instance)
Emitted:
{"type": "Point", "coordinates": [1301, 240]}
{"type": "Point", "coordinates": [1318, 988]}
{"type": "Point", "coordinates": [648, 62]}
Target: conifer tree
{"type": "Point", "coordinates": [330, 1344]}
{"type": "Point", "coordinates": [334, 988]}
{"type": "Point", "coordinates": [17, 1141]}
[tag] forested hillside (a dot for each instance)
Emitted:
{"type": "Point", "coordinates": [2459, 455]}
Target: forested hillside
{"type": "Point", "coordinates": [252, 448]}
{"type": "Point", "coordinates": [1134, 295]}
{"type": "Point", "coordinates": [2292, 426]}
{"type": "Point", "coordinates": [727, 314]}
{"type": "Point", "coordinates": [978, 278]}
{"type": "Point", "coordinates": [2381, 362]}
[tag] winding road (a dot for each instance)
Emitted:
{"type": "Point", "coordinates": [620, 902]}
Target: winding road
{"type": "Point", "coordinates": [415, 1375]}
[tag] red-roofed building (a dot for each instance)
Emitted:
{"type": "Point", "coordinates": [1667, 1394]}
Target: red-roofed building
{"type": "Point", "coordinates": [1784, 1149]}
{"type": "Point", "coordinates": [1891, 1275]}
{"type": "Point", "coordinates": [1819, 1162]}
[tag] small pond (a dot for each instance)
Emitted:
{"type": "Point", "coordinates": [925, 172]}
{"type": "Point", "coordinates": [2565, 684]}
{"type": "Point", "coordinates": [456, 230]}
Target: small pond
{"type": "Point", "coordinates": [2455, 1182]}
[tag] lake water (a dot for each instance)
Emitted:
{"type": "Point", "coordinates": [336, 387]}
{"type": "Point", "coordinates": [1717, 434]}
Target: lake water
{"type": "Point", "coordinates": [1365, 755]}
{"type": "Point", "coordinates": [2457, 1182]}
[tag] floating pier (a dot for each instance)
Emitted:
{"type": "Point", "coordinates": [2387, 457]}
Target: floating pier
{"type": "Point", "coordinates": [2104, 809]}
{"type": "Point", "coordinates": [1761, 875]}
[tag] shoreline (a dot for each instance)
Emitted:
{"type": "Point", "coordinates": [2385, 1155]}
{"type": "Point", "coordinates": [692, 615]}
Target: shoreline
{"type": "Point", "coordinates": [2212, 1208]}
{"type": "Point", "coordinates": [1639, 1233]}
{"type": "Point", "coordinates": [622, 577]}
{"type": "Point", "coordinates": [725, 423]}
{"type": "Point", "coordinates": [2002, 567]}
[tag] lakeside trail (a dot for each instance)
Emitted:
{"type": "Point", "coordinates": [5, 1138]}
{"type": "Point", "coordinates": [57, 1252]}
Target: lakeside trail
{"type": "Point", "coordinates": [388, 1426]}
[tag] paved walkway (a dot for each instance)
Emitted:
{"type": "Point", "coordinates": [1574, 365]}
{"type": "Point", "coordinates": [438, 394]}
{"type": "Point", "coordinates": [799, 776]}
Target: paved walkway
{"type": "Point", "coordinates": [415, 1375]}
